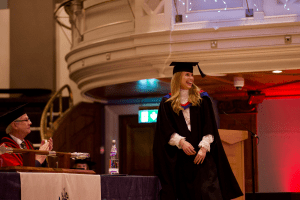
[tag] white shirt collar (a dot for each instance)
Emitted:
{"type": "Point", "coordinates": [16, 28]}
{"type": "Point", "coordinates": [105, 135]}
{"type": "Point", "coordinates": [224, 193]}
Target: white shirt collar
{"type": "Point", "coordinates": [17, 140]}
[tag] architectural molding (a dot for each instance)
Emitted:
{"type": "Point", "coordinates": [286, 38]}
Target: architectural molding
{"type": "Point", "coordinates": [143, 49]}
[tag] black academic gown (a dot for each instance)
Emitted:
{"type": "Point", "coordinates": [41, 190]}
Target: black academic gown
{"type": "Point", "coordinates": [179, 176]}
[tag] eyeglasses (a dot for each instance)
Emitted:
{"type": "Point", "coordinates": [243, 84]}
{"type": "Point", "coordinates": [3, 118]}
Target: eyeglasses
{"type": "Point", "coordinates": [22, 120]}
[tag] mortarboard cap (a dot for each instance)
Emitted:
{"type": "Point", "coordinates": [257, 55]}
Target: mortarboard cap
{"type": "Point", "coordinates": [185, 67]}
{"type": "Point", "coordinates": [10, 116]}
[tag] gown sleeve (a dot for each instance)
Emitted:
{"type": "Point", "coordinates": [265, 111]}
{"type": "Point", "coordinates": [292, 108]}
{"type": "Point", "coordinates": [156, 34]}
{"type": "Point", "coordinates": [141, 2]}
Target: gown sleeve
{"type": "Point", "coordinates": [175, 139]}
{"type": "Point", "coordinates": [164, 154]}
{"type": "Point", "coordinates": [206, 141]}
{"type": "Point", "coordinates": [7, 159]}
{"type": "Point", "coordinates": [164, 123]}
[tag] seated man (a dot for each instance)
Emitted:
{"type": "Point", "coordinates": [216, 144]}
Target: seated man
{"type": "Point", "coordinates": [18, 127]}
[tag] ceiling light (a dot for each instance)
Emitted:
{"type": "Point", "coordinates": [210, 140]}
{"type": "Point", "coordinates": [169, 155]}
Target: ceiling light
{"type": "Point", "coordinates": [277, 71]}
{"type": "Point", "coordinates": [238, 82]}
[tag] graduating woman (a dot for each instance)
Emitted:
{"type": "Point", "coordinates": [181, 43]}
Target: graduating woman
{"type": "Point", "coordinates": [189, 158]}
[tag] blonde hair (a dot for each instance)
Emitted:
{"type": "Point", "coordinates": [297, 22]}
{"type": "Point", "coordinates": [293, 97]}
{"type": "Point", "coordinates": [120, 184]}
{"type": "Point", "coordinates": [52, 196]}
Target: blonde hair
{"type": "Point", "coordinates": [194, 93]}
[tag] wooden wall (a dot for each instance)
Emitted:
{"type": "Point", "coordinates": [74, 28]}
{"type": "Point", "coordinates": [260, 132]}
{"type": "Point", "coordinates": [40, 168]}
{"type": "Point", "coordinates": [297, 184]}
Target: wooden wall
{"type": "Point", "coordinates": [82, 130]}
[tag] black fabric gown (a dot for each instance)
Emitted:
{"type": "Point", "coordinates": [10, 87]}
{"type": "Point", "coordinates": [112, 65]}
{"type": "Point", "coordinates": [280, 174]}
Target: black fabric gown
{"type": "Point", "coordinates": [180, 178]}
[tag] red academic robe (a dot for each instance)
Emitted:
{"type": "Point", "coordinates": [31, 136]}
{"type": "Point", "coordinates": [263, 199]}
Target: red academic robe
{"type": "Point", "coordinates": [12, 159]}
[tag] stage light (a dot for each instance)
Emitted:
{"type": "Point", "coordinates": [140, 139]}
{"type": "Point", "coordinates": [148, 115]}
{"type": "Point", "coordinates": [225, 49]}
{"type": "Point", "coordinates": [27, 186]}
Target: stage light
{"type": "Point", "coordinates": [255, 97]}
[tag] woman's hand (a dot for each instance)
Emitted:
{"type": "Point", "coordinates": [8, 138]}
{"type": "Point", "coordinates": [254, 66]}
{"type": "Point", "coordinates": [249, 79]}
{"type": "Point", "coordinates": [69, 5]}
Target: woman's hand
{"type": "Point", "coordinates": [200, 156]}
{"type": "Point", "coordinates": [187, 147]}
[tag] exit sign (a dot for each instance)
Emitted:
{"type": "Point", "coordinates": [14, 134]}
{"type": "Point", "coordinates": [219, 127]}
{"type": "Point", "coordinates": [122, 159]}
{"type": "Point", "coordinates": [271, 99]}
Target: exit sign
{"type": "Point", "coordinates": [148, 116]}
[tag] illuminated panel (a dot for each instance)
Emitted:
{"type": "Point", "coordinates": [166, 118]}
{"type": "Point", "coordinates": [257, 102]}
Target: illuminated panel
{"type": "Point", "coordinates": [148, 116]}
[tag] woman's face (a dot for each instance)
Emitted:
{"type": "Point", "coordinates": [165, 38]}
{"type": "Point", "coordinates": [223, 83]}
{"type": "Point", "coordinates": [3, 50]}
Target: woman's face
{"type": "Point", "coordinates": [187, 80]}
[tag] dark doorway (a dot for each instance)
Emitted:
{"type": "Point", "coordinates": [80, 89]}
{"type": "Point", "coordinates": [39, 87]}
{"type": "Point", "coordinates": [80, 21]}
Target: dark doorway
{"type": "Point", "coordinates": [136, 141]}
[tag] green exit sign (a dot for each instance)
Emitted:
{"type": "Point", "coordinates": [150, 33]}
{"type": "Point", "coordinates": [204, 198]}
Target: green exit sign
{"type": "Point", "coordinates": [148, 116]}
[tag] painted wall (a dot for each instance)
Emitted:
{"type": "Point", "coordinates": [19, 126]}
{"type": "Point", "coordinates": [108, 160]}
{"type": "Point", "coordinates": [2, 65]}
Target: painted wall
{"type": "Point", "coordinates": [3, 4]}
{"type": "Point", "coordinates": [29, 59]}
{"type": "Point", "coordinates": [32, 44]}
{"type": "Point", "coordinates": [278, 126]}
{"type": "Point", "coordinates": [4, 50]}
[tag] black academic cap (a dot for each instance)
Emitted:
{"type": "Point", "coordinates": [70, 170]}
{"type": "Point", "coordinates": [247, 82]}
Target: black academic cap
{"type": "Point", "coordinates": [185, 67]}
{"type": "Point", "coordinates": [12, 115]}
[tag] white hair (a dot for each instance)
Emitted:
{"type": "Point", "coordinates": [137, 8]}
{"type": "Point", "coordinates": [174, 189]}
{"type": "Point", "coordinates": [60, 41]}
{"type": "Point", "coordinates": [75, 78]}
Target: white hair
{"type": "Point", "coordinates": [9, 128]}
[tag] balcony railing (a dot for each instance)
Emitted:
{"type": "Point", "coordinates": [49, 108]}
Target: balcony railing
{"type": "Point", "coordinates": [49, 126]}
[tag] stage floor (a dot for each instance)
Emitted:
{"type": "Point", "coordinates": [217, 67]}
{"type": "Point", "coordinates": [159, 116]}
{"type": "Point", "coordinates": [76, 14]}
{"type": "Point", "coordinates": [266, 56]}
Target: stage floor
{"type": "Point", "coordinates": [273, 196]}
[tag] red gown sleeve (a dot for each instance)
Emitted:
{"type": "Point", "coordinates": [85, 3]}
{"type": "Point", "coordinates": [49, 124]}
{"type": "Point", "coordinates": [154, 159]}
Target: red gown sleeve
{"type": "Point", "coordinates": [7, 160]}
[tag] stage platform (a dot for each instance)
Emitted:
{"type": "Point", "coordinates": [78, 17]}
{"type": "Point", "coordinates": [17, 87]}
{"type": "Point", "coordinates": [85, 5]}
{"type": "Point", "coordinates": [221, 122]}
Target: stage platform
{"type": "Point", "coordinates": [273, 196]}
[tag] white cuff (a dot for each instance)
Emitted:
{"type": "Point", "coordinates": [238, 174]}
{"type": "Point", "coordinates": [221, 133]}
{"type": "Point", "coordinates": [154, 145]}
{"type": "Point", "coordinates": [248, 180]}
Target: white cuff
{"type": "Point", "coordinates": [206, 141]}
{"type": "Point", "coordinates": [175, 139]}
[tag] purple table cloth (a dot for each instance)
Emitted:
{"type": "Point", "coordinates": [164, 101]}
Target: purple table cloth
{"type": "Point", "coordinates": [130, 187]}
{"type": "Point", "coordinates": [10, 186]}
{"type": "Point", "coordinates": [112, 187]}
